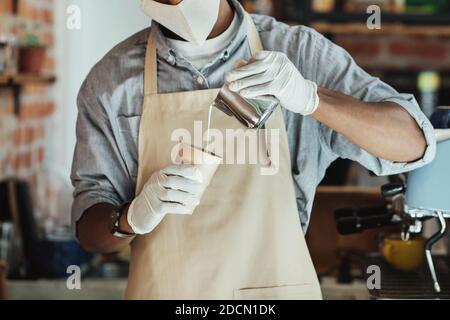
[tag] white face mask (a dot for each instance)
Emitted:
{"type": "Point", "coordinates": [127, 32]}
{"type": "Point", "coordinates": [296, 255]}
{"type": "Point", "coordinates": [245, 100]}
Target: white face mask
{"type": "Point", "coordinates": [193, 20]}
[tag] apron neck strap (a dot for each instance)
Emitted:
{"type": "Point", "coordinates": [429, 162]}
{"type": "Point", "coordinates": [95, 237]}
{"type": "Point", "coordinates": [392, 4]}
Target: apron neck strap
{"type": "Point", "coordinates": [253, 37]}
{"type": "Point", "coordinates": [151, 63]}
{"type": "Point", "coordinates": [151, 68]}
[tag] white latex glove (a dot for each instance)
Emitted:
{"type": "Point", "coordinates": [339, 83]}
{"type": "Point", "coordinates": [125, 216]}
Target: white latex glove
{"type": "Point", "coordinates": [174, 190]}
{"type": "Point", "coordinates": [272, 73]}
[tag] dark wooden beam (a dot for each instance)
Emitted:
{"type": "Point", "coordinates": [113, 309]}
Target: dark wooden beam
{"type": "Point", "coordinates": [15, 6]}
{"type": "Point", "coordinates": [16, 98]}
{"type": "Point", "coordinates": [279, 10]}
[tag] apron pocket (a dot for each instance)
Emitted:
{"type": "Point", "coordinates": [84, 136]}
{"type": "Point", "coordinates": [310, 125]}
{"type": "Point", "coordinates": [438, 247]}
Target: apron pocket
{"type": "Point", "coordinates": [293, 292]}
{"type": "Point", "coordinates": [129, 133]}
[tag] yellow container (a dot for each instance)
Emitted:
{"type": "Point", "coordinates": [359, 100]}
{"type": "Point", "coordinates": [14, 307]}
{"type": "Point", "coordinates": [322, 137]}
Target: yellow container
{"type": "Point", "coordinates": [404, 255]}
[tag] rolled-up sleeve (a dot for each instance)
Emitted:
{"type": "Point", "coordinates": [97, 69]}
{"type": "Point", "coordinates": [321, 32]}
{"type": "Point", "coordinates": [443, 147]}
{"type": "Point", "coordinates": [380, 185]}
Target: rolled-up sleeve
{"type": "Point", "coordinates": [99, 173]}
{"type": "Point", "coordinates": [336, 70]}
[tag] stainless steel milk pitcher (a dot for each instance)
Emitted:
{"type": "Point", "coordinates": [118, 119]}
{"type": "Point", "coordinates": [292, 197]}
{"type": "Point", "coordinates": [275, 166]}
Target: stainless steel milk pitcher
{"type": "Point", "coordinates": [252, 113]}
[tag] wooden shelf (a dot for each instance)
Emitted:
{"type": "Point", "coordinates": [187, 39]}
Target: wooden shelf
{"type": "Point", "coordinates": [26, 79]}
{"type": "Point", "coordinates": [391, 28]}
{"type": "Point", "coordinates": [374, 191]}
{"type": "Point", "coordinates": [438, 19]}
{"type": "Point", "coordinates": [404, 24]}
{"type": "Point", "coordinates": [17, 81]}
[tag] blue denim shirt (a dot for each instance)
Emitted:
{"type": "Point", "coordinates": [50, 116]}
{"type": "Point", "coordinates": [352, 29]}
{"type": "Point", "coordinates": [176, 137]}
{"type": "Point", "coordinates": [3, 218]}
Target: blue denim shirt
{"type": "Point", "coordinates": [110, 102]}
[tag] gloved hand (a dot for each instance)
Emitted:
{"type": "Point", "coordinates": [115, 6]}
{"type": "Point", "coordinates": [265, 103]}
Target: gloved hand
{"type": "Point", "coordinates": [173, 190]}
{"type": "Point", "coordinates": [272, 73]}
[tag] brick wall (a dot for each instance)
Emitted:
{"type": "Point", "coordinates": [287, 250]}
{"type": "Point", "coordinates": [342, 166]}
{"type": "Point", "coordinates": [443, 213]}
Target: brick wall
{"type": "Point", "coordinates": [413, 53]}
{"type": "Point", "coordinates": [37, 102]}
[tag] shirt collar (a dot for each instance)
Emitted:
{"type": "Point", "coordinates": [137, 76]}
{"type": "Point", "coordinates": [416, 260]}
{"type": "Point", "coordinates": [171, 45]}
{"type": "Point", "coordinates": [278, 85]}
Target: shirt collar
{"type": "Point", "coordinates": [167, 53]}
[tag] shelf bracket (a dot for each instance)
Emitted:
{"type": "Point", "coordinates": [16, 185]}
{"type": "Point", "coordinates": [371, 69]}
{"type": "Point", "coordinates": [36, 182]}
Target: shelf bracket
{"type": "Point", "coordinates": [16, 89]}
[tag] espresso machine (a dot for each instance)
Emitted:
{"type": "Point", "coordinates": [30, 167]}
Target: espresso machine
{"type": "Point", "coordinates": [423, 196]}
{"type": "Point", "coordinates": [428, 197]}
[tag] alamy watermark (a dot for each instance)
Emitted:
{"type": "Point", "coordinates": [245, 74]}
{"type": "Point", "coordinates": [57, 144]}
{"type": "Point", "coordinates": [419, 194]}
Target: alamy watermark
{"type": "Point", "coordinates": [374, 21]}
{"type": "Point", "coordinates": [235, 146]}
{"type": "Point", "coordinates": [73, 281]}
{"type": "Point", "coordinates": [374, 277]}
{"type": "Point", "coordinates": [73, 21]}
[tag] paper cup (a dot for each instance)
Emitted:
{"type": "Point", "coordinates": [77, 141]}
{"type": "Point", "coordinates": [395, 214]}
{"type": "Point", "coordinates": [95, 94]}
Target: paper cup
{"type": "Point", "coordinates": [206, 162]}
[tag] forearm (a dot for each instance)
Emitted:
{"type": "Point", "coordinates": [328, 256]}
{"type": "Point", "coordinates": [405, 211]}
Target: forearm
{"type": "Point", "coordinates": [94, 229]}
{"type": "Point", "coordinates": [383, 129]}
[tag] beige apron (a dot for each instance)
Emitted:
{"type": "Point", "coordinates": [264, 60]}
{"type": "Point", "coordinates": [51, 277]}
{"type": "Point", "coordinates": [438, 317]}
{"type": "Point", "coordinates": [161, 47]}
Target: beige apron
{"type": "Point", "coordinates": [244, 241]}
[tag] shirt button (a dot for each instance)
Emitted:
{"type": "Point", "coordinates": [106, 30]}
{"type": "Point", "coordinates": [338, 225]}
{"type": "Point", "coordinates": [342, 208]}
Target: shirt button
{"type": "Point", "coordinates": [200, 80]}
{"type": "Point", "coordinates": [171, 59]}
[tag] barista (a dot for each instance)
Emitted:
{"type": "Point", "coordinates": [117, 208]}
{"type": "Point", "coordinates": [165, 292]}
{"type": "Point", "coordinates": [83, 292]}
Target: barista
{"type": "Point", "coordinates": [244, 239]}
